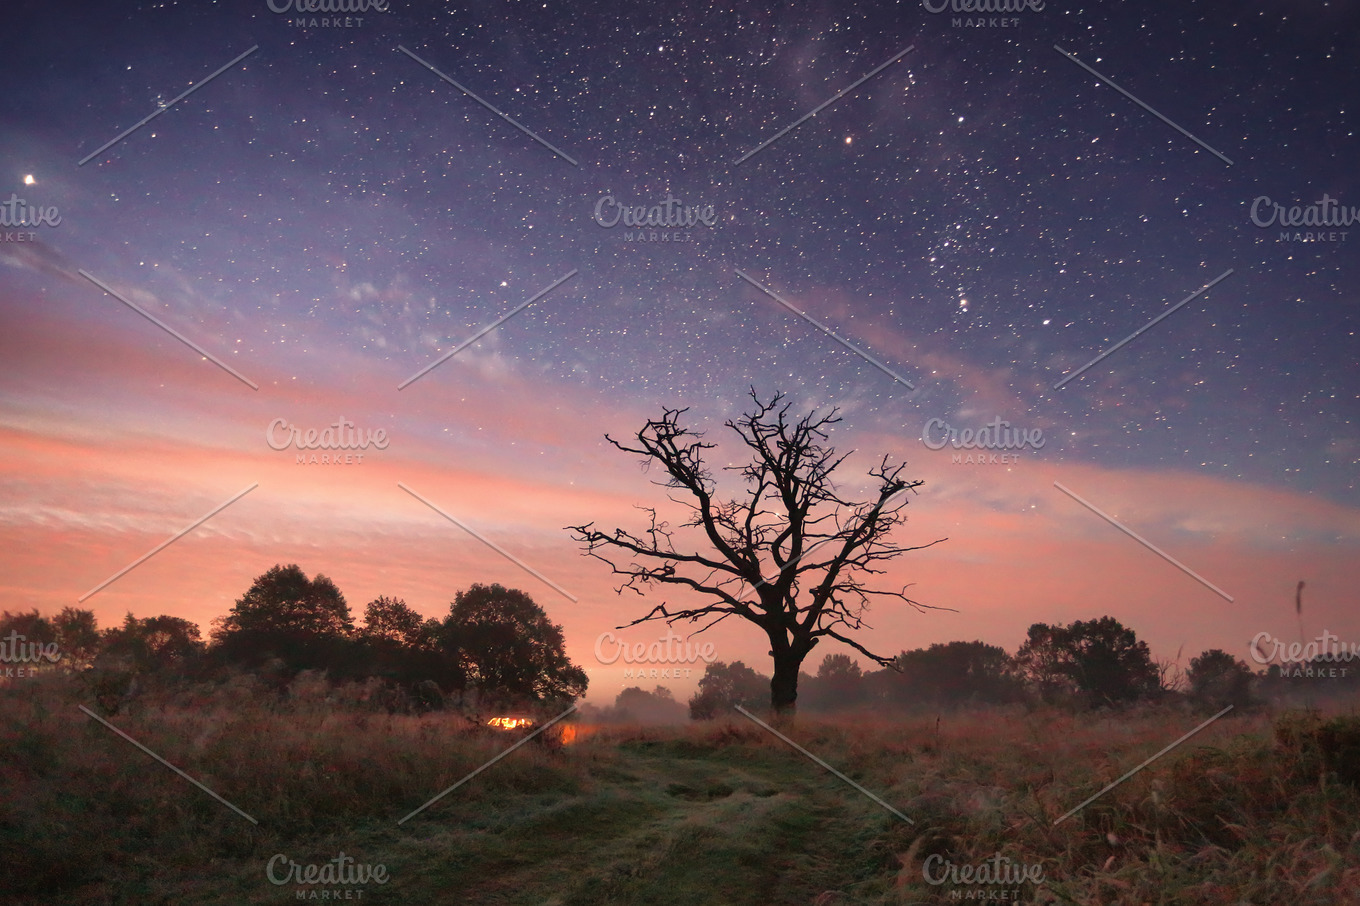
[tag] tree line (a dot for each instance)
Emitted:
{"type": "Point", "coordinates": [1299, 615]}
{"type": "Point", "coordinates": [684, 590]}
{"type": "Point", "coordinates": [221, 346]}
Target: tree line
{"type": "Point", "coordinates": [1085, 664]}
{"type": "Point", "coordinates": [500, 644]}
{"type": "Point", "coordinates": [494, 640]}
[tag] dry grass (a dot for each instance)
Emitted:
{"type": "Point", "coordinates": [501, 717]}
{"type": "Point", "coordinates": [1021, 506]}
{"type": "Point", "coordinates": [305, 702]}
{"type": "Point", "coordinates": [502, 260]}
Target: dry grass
{"type": "Point", "coordinates": [1255, 809]}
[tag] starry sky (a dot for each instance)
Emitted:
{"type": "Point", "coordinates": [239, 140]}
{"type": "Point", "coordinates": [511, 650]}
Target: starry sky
{"type": "Point", "coordinates": [981, 217]}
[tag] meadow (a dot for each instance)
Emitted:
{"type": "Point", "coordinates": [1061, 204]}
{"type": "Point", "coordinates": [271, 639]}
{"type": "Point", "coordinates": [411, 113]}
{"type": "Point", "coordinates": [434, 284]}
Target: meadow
{"type": "Point", "coordinates": [1260, 807]}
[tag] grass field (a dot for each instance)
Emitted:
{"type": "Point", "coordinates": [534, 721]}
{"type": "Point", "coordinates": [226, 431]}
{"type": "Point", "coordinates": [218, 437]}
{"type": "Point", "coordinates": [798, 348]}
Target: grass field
{"type": "Point", "coordinates": [1257, 808]}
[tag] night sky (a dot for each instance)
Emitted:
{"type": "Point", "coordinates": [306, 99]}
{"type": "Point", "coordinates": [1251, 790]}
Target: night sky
{"type": "Point", "coordinates": [982, 217]}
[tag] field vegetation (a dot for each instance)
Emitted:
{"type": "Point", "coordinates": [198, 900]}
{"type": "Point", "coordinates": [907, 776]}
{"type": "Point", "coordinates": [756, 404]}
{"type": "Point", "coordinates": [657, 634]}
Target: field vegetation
{"type": "Point", "coordinates": [1260, 807]}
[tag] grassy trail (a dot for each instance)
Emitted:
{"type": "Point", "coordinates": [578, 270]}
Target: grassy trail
{"type": "Point", "coordinates": [655, 822]}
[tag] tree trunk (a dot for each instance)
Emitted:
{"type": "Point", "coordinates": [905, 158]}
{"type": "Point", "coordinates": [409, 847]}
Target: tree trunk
{"type": "Point", "coordinates": [784, 683]}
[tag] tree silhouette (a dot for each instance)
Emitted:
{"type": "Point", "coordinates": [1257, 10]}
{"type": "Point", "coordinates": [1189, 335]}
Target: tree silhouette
{"type": "Point", "coordinates": [304, 622]}
{"type": "Point", "coordinates": [1045, 661]}
{"type": "Point", "coordinates": [73, 631]}
{"type": "Point", "coordinates": [1217, 679]}
{"type": "Point", "coordinates": [636, 705]}
{"type": "Point", "coordinates": [285, 600]}
{"type": "Point", "coordinates": [950, 674]}
{"type": "Point", "coordinates": [78, 637]}
{"type": "Point", "coordinates": [29, 628]}
{"type": "Point", "coordinates": [153, 644]}
{"type": "Point", "coordinates": [391, 619]}
{"type": "Point", "coordinates": [792, 540]}
{"type": "Point", "coordinates": [839, 683]}
{"type": "Point", "coordinates": [723, 687]}
{"type": "Point", "coordinates": [1101, 659]}
{"type": "Point", "coordinates": [399, 645]}
{"type": "Point", "coordinates": [505, 642]}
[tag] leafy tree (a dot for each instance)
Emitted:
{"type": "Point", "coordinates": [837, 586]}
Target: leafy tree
{"type": "Point", "coordinates": [78, 637]}
{"type": "Point", "coordinates": [1110, 663]}
{"type": "Point", "coordinates": [303, 622]}
{"type": "Point", "coordinates": [284, 600]}
{"type": "Point", "coordinates": [20, 631]}
{"type": "Point", "coordinates": [393, 620]}
{"type": "Point", "coordinates": [153, 644]}
{"type": "Point", "coordinates": [949, 674]}
{"type": "Point", "coordinates": [75, 633]}
{"type": "Point", "coordinates": [723, 687]}
{"type": "Point", "coordinates": [840, 668]}
{"type": "Point", "coordinates": [637, 705]}
{"type": "Point", "coordinates": [399, 645]}
{"type": "Point", "coordinates": [1101, 660]}
{"type": "Point", "coordinates": [839, 683]}
{"type": "Point", "coordinates": [31, 625]}
{"type": "Point", "coordinates": [804, 551]}
{"type": "Point", "coordinates": [1218, 679]}
{"type": "Point", "coordinates": [1044, 661]}
{"type": "Point", "coordinates": [505, 642]}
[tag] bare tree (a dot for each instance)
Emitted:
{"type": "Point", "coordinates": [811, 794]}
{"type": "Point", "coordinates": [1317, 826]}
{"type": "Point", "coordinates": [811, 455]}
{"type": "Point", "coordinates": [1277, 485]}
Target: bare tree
{"type": "Point", "coordinates": [792, 540]}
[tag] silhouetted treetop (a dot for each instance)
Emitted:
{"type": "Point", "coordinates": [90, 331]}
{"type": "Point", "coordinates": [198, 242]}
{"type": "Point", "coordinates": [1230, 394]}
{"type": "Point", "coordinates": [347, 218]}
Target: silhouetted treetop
{"type": "Point", "coordinates": [284, 600]}
{"type": "Point", "coordinates": [505, 641]}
